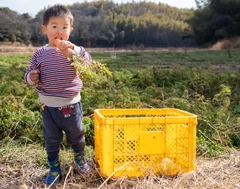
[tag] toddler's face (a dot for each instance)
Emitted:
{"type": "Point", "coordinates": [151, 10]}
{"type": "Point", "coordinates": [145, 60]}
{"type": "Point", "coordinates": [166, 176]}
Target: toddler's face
{"type": "Point", "coordinates": [58, 27]}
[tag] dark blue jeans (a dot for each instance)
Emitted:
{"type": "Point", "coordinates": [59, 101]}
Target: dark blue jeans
{"type": "Point", "coordinates": [66, 119]}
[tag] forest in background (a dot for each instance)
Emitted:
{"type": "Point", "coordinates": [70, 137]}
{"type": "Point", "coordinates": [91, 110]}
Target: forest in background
{"type": "Point", "coordinates": [135, 24]}
{"type": "Point", "coordinates": [106, 24]}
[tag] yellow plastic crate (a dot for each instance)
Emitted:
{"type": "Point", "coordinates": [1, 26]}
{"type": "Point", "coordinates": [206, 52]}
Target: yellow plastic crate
{"type": "Point", "coordinates": [133, 142]}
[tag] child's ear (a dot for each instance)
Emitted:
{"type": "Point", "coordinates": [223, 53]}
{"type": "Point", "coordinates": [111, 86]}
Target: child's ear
{"type": "Point", "coordinates": [71, 29]}
{"type": "Point", "coordinates": [44, 29]}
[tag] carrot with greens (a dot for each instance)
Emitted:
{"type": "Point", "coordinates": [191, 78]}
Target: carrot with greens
{"type": "Point", "coordinates": [64, 47]}
{"type": "Point", "coordinates": [87, 70]}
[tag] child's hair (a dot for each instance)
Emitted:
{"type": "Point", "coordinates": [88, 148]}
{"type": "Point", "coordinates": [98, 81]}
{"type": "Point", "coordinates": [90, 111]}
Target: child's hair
{"type": "Point", "coordinates": [57, 10]}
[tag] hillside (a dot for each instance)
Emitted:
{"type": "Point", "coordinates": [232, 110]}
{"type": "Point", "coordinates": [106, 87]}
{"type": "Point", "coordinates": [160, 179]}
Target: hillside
{"type": "Point", "coordinates": [107, 24]}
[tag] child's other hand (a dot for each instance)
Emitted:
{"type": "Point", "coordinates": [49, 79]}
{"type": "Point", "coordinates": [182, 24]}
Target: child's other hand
{"type": "Point", "coordinates": [34, 76]}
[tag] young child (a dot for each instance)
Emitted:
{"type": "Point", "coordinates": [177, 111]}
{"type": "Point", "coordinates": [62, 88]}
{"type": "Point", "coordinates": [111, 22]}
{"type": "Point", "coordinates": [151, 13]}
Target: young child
{"type": "Point", "coordinates": [59, 88]}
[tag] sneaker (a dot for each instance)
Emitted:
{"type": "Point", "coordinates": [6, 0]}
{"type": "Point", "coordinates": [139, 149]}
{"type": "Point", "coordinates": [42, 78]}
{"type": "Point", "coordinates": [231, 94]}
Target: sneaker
{"type": "Point", "coordinates": [82, 165]}
{"type": "Point", "coordinates": [54, 175]}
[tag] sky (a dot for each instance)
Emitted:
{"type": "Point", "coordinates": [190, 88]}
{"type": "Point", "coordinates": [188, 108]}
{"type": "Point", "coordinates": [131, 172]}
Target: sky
{"type": "Point", "coordinates": [32, 7]}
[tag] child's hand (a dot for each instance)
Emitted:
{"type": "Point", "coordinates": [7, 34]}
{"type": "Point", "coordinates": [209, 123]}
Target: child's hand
{"type": "Point", "coordinates": [66, 47]}
{"type": "Point", "coordinates": [34, 76]}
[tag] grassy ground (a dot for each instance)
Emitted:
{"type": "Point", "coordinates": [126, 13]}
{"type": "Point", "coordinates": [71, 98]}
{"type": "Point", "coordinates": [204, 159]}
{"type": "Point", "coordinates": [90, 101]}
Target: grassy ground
{"type": "Point", "coordinates": [145, 59]}
{"type": "Point", "coordinates": [25, 167]}
{"type": "Point", "coordinates": [133, 60]}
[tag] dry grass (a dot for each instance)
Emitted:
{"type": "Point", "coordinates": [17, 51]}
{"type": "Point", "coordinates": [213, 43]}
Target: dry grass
{"type": "Point", "coordinates": [8, 49]}
{"type": "Point", "coordinates": [232, 43]}
{"type": "Point", "coordinates": [17, 50]}
{"type": "Point", "coordinates": [25, 167]}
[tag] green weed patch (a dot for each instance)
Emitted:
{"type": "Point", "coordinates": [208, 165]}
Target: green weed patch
{"type": "Point", "coordinates": [184, 80]}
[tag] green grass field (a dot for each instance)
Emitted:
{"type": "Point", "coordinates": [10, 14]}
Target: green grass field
{"type": "Point", "coordinates": [136, 60]}
{"type": "Point", "coordinates": [213, 97]}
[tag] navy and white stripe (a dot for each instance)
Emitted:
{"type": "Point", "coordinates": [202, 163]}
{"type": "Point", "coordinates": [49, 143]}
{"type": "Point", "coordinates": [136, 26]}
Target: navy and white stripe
{"type": "Point", "coordinates": [57, 77]}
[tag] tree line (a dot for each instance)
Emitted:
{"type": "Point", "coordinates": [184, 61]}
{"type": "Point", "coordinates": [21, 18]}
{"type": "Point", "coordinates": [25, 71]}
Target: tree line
{"type": "Point", "coordinates": [215, 20]}
{"type": "Point", "coordinates": [107, 24]}
{"type": "Point", "coordinates": [135, 24]}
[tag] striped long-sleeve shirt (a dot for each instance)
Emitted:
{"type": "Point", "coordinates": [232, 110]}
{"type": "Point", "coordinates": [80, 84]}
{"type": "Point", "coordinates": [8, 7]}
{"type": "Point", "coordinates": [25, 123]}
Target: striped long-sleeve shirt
{"type": "Point", "coordinates": [59, 83]}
